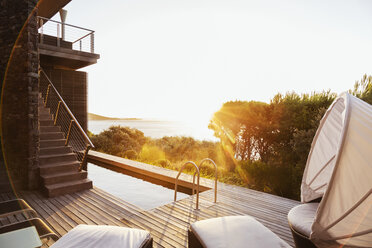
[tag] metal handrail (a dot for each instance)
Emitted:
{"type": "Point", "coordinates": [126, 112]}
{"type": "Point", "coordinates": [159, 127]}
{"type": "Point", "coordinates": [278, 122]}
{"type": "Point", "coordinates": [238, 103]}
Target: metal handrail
{"type": "Point", "coordinates": [82, 37]}
{"type": "Point", "coordinates": [67, 109]}
{"type": "Point", "coordinates": [215, 175]}
{"type": "Point", "coordinates": [197, 189]}
{"type": "Point", "coordinates": [60, 27]}
{"type": "Point", "coordinates": [70, 25]}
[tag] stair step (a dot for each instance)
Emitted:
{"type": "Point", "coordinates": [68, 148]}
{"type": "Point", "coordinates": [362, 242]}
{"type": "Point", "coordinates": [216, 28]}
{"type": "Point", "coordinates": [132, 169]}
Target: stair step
{"type": "Point", "coordinates": [63, 177]}
{"type": "Point", "coordinates": [55, 150]}
{"type": "Point", "coordinates": [45, 116]}
{"type": "Point", "coordinates": [61, 167]}
{"type": "Point", "coordinates": [58, 165]}
{"type": "Point", "coordinates": [46, 123]}
{"type": "Point", "coordinates": [51, 136]}
{"type": "Point", "coordinates": [52, 143]}
{"type": "Point", "coordinates": [44, 111]}
{"type": "Point", "coordinates": [50, 129]}
{"type": "Point", "coordinates": [68, 187]}
{"type": "Point", "coordinates": [47, 159]}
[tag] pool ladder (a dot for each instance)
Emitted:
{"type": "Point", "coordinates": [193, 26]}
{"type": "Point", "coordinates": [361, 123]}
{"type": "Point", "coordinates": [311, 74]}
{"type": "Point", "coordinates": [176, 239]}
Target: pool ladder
{"type": "Point", "coordinates": [197, 172]}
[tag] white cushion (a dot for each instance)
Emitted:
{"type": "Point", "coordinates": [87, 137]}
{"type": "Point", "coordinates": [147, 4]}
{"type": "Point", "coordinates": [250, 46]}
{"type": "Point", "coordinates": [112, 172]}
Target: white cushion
{"type": "Point", "coordinates": [235, 231]}
{"type": "Point", "coordinates": [301, 217]}
{"type": "Point", "coordinates": [90, 236]}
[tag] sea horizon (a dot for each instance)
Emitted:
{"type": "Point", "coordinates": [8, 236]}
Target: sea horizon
{"type": "Point", "coordinates": [156, 128]}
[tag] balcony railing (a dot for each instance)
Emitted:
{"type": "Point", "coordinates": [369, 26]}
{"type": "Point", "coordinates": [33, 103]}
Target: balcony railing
{"type": "Point", "coordinates": [65, 35]}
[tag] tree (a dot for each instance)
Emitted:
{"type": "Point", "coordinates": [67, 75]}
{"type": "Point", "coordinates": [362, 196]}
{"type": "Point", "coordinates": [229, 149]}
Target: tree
{"type": "Point", "coordinates": [271, 141]}
{"type": "Point", "coordinates": [363, 89]}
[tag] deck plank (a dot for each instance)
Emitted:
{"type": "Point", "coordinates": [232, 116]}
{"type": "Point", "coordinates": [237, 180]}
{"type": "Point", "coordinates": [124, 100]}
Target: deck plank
{"type": "Point", "coordinates": [167, 224]}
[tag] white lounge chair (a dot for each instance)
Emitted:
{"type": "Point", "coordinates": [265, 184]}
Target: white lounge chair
{"type": "Point", "coordinates": [232, 231]}
{"type": "Point", "coordinates": [339, 172]}
{"type": "Point", "coordinates": [101, 236]}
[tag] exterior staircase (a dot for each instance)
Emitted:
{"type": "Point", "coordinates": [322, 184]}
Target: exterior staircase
{"type": "Point", "coordinates": [59, 167]}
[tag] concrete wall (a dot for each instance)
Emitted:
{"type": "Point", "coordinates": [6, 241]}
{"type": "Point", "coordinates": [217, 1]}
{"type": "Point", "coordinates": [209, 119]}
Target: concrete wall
{"type": "Point", "coordinates": [19, 78]}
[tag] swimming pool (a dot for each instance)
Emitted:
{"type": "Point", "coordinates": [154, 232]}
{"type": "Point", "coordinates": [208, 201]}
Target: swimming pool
{"type": "Point", "coordinates": [133, 190]}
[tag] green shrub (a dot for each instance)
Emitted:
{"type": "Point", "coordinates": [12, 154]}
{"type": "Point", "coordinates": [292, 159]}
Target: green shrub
{"type": "Point", "coordinates": [130, 154]}
{"type": "Point", "coordinates": [151, 154]}
{"type": "Point", "coordinates": [117, 140]}
{"type": "Point", "coordinates": [165, 163]}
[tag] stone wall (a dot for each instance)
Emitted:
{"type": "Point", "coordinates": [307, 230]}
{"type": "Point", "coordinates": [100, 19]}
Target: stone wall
{"type": "Point", "coordinates": [19, 77]}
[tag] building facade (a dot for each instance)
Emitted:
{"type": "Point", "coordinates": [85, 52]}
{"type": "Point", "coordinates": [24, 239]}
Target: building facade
{"type": "Point", "coordinates": [24, 48]}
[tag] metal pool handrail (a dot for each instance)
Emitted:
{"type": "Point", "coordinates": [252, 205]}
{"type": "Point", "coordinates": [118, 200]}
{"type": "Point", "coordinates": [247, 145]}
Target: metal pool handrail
{"type": "Point", "coordinates": [197, 189]}
{"type": "Point", "coordinates": [215, 175]}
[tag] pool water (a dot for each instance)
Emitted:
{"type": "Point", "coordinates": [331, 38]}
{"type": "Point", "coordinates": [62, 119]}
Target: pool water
{"type": "Point", "coordinates": [133, 190]}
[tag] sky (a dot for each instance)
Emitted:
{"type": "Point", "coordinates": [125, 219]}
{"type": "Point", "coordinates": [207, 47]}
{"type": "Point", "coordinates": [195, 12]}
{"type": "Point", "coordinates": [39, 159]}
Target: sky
{"type": "Point", "coordinates": [182, 59]}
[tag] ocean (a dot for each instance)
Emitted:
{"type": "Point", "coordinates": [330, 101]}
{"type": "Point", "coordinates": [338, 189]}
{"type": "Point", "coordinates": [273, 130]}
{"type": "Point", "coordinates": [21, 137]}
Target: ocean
{"type": "Point", "coordinates": [157, 128]}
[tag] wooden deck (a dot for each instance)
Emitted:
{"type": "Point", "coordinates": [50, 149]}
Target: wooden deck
{"type": "Point", "coordinates": [168, 224]}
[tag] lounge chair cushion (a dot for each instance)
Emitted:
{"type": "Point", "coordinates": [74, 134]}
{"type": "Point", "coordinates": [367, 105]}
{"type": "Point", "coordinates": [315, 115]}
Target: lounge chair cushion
{"type": "Point", "coordinates": [235, 231]}
{"type": "Point", "coordinates": [91, 236]}
{"type": "Point", "coordinates": [301, 217]}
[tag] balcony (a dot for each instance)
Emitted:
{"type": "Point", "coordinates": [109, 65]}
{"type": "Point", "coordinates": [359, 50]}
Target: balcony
{"type": "Point", "coordinates": [66, 46]}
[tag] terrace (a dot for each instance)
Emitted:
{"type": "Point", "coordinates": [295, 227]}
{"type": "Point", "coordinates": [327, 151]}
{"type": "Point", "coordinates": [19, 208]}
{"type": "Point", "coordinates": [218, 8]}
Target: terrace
{"type": "Point", "coordinates": [167, 224]}
{"type": "Point", "coordinates": [45, 149]}
{"type": "Point", "coordinates": [68, 47]}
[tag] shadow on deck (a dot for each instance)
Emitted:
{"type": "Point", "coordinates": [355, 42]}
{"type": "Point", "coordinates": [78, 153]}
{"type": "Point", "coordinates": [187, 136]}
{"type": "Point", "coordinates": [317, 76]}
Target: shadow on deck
{"type": "Point", "coordinates": [168, 224]}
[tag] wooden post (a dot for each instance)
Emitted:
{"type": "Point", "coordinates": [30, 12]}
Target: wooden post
{"type": "Point", "coordinates": [58, 41]}
{"type": "Point", "coordinates": [47, 94]}
{"type": "Point", "coordinates": [55, 119]}
{"type": "Point", "coordinates": [69, 131]}
{"type": "Point", "coordinates": [92, 42]}
{"type": "Point", "coordinates": [83, 164]}
{"type": "Point", "coordinates": [41, 24]}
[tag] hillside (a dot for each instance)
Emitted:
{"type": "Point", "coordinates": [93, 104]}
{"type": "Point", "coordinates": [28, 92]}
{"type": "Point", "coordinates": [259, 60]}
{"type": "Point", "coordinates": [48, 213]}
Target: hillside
{"type": "Point", "coordinates": [94, 117]}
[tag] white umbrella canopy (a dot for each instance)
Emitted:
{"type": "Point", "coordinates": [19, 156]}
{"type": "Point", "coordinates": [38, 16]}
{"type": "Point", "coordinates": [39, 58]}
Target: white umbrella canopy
{"type": "Point", "coordinates": [339, 169]}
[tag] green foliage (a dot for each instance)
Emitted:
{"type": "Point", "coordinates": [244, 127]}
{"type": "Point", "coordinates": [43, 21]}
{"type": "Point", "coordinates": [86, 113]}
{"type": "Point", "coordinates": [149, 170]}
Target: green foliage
{"type": "Point", "coordinates": [262, 146]}
{"type": "Point", "coordinates": [271, 141]}
{"type": "Point", "coordinates": [260, 131]}
{"type": "Point", "coordinates": [119, 141]}
{"type": "Point", "coordinates": [363, 89]}
{"type": "Point", "coordinates": [130, 154]}
{"type": "Point", "coordinates": [167, 152]}
{"type": "Point", "coordinates": [150, 154]}
{"type": "Point", "coordinates": [185, 148]}
{"type": "Point", "coordinates": [276, 180]}
{"type": "Point", "coordinates": [165, 163]}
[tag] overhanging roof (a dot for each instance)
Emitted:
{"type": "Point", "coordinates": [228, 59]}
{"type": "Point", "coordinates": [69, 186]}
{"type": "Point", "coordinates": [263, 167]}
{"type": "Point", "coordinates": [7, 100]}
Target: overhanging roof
{"type": "Point", "coordinates": [48, 8]}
